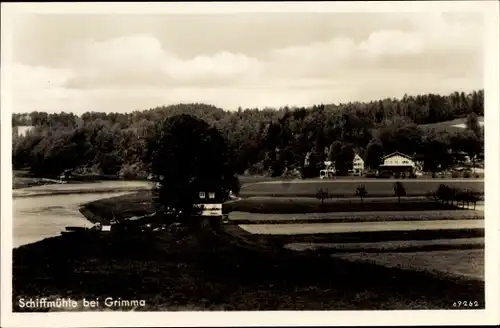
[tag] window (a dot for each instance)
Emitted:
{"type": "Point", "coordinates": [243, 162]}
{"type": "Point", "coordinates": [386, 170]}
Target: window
{"type": "Point", "coordinates": [405, 162]}
{"type": "Point", "coordinates": [202, 195]}
{"type": "Point", "coordinates": [211, 195]}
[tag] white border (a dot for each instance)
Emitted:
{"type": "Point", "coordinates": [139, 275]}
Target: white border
{"type": "Point", "coordinates": [291, 318]}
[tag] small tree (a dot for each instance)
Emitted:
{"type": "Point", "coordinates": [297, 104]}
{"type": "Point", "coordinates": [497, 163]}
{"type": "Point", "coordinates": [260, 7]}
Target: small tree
{"type": "Point", "coordinates": [471, 197]}
{"type": "Point", "coordinates": [361, 192]}
{"type": "Point", "coordinates": [399, 190]}
{"type": "Point", "coordinates": [322, 194]}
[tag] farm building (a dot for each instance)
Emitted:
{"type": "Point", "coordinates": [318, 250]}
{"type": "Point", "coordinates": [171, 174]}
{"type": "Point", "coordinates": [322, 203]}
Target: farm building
{"type": "Point", "coordinates": [397, 164]}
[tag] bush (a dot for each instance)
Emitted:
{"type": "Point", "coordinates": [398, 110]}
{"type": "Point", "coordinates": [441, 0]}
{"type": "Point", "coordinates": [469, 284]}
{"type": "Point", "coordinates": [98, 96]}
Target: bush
{"type": "Point", "coordinates": [132, 172]}
{"type": "Point", "coordinates": [445, 193]}
{"type": "Point", "coordinates": [467, 174]}
{"type": "Point", "coordinates": [455, 174]}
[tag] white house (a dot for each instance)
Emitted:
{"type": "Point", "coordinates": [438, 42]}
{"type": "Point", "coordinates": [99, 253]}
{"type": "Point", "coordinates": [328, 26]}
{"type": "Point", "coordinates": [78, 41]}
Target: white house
{"type": "Point", "coordinates": [398, 163]}
{"type": "Point", "coordinates": [358, 165]}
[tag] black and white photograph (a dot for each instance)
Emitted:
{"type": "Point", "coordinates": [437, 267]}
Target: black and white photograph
{"type": "Point", "coordinates": [187, 159]}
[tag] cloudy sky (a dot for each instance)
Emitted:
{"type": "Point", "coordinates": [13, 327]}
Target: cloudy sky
{"type": "Point", "coordinates": [127, 62]}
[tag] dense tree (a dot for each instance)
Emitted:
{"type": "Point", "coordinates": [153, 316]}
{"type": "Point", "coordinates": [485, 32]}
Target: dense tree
{"type": "Point", "coordinates": [190, 156]}
{"type": "Point", "coordinates": [344, 160]}
{"type": "Point", "coordinates": [267, 141]}
{"type": "Point", "coordinates": [374, 153]}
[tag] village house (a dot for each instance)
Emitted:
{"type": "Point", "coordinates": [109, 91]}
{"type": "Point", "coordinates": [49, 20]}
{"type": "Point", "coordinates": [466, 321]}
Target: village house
{"type": "Point", "coordinates": [358, 165]}
{"type": "Point", "coordinates": [328, 171]}
{"type": "Point", "coordinates": [211, 203]}
{"type": "Point", "coordinates": [398, 164]}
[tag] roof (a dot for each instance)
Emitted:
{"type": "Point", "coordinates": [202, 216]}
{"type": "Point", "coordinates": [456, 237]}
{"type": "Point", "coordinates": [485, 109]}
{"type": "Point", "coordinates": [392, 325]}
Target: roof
{"type": "Point", "coordinates": [398, 153]}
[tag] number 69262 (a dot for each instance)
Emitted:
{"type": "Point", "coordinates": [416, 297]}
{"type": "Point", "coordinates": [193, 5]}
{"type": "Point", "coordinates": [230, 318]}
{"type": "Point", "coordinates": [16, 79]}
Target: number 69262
{"type": "Point", "coordinates": [466, 304]}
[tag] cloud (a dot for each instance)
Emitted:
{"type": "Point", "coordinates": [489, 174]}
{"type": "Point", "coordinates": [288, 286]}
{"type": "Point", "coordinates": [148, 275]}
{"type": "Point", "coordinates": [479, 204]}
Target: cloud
{"type": "Point", "coordinates": [140, 60]}
{"type": "Point", "coordinates": [432, 53]}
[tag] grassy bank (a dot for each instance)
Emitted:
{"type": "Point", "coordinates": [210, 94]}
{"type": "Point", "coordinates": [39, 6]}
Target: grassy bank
{"type": "Point", "coordinates": [347, 188]}
{"type": "Point", "coordinates": [171, 272]}
{"type": "Point", "coordinates": [25, 182]}
{"type": "Point", "coordinates": [141, 203]}
{"type": "Point", "coordinates": [136, 204]}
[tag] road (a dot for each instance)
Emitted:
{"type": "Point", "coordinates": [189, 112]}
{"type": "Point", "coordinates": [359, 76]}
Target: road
{"type": "Point", "coordinates": [42, 211]}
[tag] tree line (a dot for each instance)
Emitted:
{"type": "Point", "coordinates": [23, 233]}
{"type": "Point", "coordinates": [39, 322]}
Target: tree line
{"type": "Point", "coordinates": [276, 142]}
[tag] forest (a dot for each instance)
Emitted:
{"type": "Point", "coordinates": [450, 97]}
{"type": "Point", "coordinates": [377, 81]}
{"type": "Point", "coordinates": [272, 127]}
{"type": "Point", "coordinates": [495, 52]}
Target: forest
{"type": "Point", "coordinates": [267, 141]}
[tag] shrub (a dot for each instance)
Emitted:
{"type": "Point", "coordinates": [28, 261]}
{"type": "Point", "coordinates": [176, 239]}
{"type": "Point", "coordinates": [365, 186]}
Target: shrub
{"type": "Point", "coordinates": [467, 174]}
{"type": "Point", "coordinates": [133, 171]}
{"type": "Point", "coordinates": [455, 174]}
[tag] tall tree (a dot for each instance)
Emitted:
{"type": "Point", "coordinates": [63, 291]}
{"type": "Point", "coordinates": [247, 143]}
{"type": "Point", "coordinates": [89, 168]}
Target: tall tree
{"type": "Point", "coordinates": [374, 153]}
{"type": "Point", "coordinates": [345, 159]}
{"type": "Point", "coordinates": [189, 156]}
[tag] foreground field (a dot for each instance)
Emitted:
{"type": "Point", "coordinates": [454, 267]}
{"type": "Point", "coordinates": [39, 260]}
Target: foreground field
{"type": "Point", "coordinates": [176, 272]}
{"type": "Point", "coordinates": [467, 263]}
{"type": "Point", "coordinates": [347, 188]}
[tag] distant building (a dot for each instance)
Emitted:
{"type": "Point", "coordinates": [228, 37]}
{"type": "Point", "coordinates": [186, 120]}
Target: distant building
{"type": "Point", "coordinates": [358, 165]}
{"type": "Point", "coordinates": [398, 164]}
{"type": "Point", "coordinates": [21, 130]}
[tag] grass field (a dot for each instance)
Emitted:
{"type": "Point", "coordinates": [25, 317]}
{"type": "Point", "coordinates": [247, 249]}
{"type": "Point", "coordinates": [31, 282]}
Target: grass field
{"type": "Point", "coordinates": [175, 272]}
{"type": "Point", "coordinates": [468, 263]}
{"type": "Point", "coordinates": [347, 188]}
{"type": "Point", "coordinates": [448, 126]}
{"type": "Point", "coordinates": [340, 217]}
{"type": "Point", "coordinates": [291, 205]}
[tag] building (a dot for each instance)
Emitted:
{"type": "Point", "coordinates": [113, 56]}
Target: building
{"type": "Point", "coordinates": [211, 203]}
{"type": "Point", "coordinates": [21, 130]}
{"type": "Point", "coordinates": [398, 164]}
{"type": "Point", "coordinates": [358, 165]}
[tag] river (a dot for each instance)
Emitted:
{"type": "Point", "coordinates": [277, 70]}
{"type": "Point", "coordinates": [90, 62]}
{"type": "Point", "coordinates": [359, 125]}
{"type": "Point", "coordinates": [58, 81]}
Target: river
{"type": "Point", "coordinates": [37, 217]}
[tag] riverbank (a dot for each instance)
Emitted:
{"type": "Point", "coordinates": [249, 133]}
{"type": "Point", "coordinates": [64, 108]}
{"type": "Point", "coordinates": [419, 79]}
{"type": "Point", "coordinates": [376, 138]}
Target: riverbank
{"type": "Point", "coordinates": [82, 188]}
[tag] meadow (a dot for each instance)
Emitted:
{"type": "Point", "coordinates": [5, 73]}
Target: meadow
{"type": "Point", "coordinates": [347, 187]}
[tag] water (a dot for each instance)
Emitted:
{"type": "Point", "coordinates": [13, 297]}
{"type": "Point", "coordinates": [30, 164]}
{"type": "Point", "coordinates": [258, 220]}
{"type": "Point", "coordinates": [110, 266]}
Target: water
{"type": "Point", "coordinates": [36, 218]}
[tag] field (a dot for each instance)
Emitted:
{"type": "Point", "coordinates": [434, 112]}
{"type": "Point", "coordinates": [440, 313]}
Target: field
{"type": "Point", "coordinates": [448, 126]}
{"type": "Point", "coordinates": [289, 205]}
{"type": "Point", "coordinates": [347, 188]}
{"type": "Point", "coordinates": [175, 272]}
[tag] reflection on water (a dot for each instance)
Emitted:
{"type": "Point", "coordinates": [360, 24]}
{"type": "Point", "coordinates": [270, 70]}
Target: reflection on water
{"type": "Point", "coordinates": [36, 218]}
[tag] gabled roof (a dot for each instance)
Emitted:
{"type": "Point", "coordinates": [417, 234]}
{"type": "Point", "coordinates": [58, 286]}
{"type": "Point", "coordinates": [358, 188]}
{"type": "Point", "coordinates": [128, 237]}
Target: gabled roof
{"type": "Point", "coordinates": [358, 156]}
{"type": "Point", "coordinates": [398, 153]}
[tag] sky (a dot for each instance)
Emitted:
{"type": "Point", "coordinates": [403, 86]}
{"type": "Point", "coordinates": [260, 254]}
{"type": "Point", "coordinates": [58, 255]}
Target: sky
{"type": "Point", "coordinates": [125, 62]}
